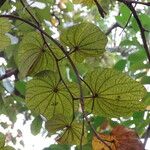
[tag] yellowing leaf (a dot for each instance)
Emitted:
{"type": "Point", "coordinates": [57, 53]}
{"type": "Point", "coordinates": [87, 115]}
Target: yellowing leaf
{"type": "Point", "coordinates": [33, 56]}
{"type": "Point", "coordinates": [49, 96]}
{"type": "Point", "coordinates": [98, 145]}
{"type": "Point", "coordinates": [84, 40]}
{"type": "Point", "coordinates": [116, 94]}
{"type": "Point", "coordinates": [121, 138]}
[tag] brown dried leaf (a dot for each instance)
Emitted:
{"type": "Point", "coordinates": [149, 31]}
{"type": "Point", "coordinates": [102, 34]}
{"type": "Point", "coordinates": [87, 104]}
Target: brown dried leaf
{"type": "Point", "coordinates": [121, 138]}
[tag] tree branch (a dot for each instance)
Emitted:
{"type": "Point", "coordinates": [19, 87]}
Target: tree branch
{"type": "Point", "coordinates": [112, 27]}
{"type": "Point", "coordinates": [8, 74]}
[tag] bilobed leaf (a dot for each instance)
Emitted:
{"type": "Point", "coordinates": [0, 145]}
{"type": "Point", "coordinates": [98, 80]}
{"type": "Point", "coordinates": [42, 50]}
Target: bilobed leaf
{"type": "Point", "coordinates": [84, 40]}
{"type": "Point", "coordinates": [49, 96]}
{"type": "Point", "coordinates": [116, 94]}
{"type": "Point", "coordinates": [2, 140]}
{"type": "Point", "coordinates": [36, 125]}
{"type": "Point", "coordinates": [33, 55]}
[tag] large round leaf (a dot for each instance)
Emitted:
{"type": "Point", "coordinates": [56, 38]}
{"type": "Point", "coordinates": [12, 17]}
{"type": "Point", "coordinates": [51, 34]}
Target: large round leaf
{"type": "Point", "coordinates": [49, 96]}
{"type": "Point", "coordinates": [84, 40]}
{"type": "Point", "coordinates": [116, 94]}
{"type": "Point", "coordinates": [33, 56]}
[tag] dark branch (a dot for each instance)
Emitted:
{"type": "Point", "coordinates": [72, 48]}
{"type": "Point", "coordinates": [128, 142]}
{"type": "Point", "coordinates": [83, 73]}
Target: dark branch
{"type": "Point", "coordinates": [100, 9]}
{"type": "Point", "coordinates": [8, 74]}
{"type": "Point", "coordinates": [112, 27]}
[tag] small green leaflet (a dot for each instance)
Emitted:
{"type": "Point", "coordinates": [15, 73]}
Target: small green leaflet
{"type": "Point", "coordinates": [71, 132]}
{"type": "Point", "coordinates": [36, 125]}
{"type": "Point", "coordinates": [116, 94]}
{"type": "Point", "coordinates": [84, 40]}
{"type": "Point", "coordinates": [33, 55]}
{"type": "Point", "coordinates": [5, 26]}
{"type": "Point", "coordinates": [49, 96]}
{"type": "Point", "coordinates": [2, 143]}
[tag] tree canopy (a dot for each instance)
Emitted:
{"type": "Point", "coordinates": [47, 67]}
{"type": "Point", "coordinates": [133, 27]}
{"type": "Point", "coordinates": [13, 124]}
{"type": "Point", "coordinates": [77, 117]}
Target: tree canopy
{"type": "Point", "coordinates": [78, 69]}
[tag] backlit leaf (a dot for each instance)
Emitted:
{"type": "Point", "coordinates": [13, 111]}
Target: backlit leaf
{"type": "Point", "coordinates": [84, 40]}
{"type": "Point", "coordinates": [33, 55]}
{"type": "Point", "coordinates": [116, 94]}
{"type": "Point", "coordinates": [56, 123]}
{"type": "Point", "coordinates": [5, 25]}
{"type": "Point", "coordinates": [71, 131]}
{"type": "Point", "coordinates": [48, 96]}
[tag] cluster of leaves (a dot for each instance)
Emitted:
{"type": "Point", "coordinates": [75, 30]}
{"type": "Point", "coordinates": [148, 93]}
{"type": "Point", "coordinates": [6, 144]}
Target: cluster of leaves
{"type": "Point", "coordinates": [62, 80]}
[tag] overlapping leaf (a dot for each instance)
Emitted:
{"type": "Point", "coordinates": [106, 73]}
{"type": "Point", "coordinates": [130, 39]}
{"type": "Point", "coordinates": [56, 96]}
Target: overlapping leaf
{"type": "Point", "coordinates": [71, 132]}
{"type": "Point", "coordinates": [84, 40]}
{"type": "Point", "coordinates": [49, 96]}
{"type": "Point", "coordinates": [5, 26]}
{"type": "Point", "coordinates": [116, 94]}
{"type": "Point", "coordinates": [34, 56]}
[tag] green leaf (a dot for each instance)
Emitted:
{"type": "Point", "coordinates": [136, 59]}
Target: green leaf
{"type": "Point", "coordinates": [72, 135]}
{"type": "Point", "coordinates": [58, 147]}
{"type": "Point", "coordinates": [33, 56]}
{"type": "Point", "coordinates": [120, 65]}
{"type": "Point", "coordinates": [49, 96]}
{"type": "Point", "coordinates": [36, 125]}
{"type": "Point", "coordinates": [122, 19]}
{"type": "Point", "coordinates": [2, 140]}
{"type": "Point", "coordinates": [71, 131]}
{"type": "Point", "coordinates": [116, 94]}
{"type": "Point", "coordinates": [84, 40]}
{"type": "Point", "coordinates": [5, 25]}
{"type": "Point", "coordinates": [56, 123]}
{"type": "Point", "coordinates": [5, 41]}
{"type": "Point", "coordinates": [20, 86]}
